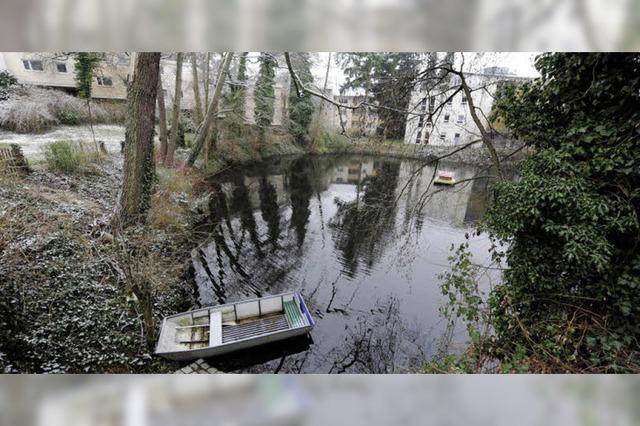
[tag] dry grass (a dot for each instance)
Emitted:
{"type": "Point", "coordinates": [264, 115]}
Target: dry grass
{"type": "Point", "coordinates": [163, 212]}
{"type": "Point", "coordinates": [174, 180]}
{"type": "Point", "coordinates": [35, 110]}
{"type": "Point", "coordinates": [71, 158]}
{"type": "Point", "coordinates": [174, 188]}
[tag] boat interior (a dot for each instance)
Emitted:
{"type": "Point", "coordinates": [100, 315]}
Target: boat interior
{"type": "Point", "coordinates": [232, 322]}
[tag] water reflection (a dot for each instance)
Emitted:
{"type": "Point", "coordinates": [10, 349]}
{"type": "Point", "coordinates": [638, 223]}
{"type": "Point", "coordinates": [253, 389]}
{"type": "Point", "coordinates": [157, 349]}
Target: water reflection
{"type": "Point", "coordinates": [362, 239]}
{"type": "Point", "coordinates": [362, 227]}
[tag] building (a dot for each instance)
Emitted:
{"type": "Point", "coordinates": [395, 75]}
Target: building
{"type": "Point", "coordinates": [56, 70]}
{"type": "Point", "coordinates": [443, 118]}
{"type": "Point", "coordinates": [357, 122]}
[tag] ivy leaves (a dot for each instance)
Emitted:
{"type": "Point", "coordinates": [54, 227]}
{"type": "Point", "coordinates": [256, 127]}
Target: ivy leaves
{"type": "Point", "coordinates": [572, 218]}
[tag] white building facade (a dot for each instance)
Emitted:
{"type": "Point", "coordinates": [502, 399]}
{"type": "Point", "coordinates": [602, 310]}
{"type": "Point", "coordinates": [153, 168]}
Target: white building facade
{"type": "Point", "coordinates": [47, 69]}
{"type": "Point", "coordinates": [442, 116]}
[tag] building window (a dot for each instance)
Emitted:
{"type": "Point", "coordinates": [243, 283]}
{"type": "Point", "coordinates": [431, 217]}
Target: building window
{"type": "Point", "coordinates": [61, 67]}
{"type": "Point", "coordinates": [446, 118]}
{"type": "Point", "coordinates": [426, 138]}
{"type": "Point", "coordinates": [421, 121]}
{"type": "Point", "coordinates": [423, 104]}
{"type": "Point", "coordinates": [442, 136]}
{"type": "Point", "coordinates": [104, 81]}
{"type": "Point", "coordinates": [464, 100]}
{"type": "Point", "coordinates": [32, 65]}
{"type": "Point", "coordinates": [418, 136]}
{"type": "Point", "coordinates": [450, 101]}
{"type": "Point", "coordinates": [432, 104]}
{"type": "Point", "coordinates": [460, 119]}
{"type": "Point", "coordinates": [456, 138]}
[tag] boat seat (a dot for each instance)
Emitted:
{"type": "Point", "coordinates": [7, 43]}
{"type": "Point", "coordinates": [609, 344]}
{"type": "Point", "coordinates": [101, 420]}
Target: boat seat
{"type": "Point", "coordinates": [292, 312]}
{"type": "Point", "coordinates": [215, 328]}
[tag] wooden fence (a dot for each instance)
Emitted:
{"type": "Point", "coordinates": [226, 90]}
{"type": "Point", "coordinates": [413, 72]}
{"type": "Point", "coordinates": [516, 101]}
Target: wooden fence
{"type": "Point", "coordinates": [12, 162]}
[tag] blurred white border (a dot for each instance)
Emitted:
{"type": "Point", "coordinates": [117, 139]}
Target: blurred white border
{"type": "Point", "coordinates": [320, 25]}
{"type": "Point", "coordinates": [370, 400]}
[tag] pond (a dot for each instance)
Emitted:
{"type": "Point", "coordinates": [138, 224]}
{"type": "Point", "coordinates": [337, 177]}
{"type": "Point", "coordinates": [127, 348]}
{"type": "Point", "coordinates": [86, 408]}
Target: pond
{"type": "Point", "coordinates": [362, 239]}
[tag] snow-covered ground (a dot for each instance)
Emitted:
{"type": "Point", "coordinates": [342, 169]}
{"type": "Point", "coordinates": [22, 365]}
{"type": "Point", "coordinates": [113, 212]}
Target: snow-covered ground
{"type": "Point", "coordinates": [33, 144]}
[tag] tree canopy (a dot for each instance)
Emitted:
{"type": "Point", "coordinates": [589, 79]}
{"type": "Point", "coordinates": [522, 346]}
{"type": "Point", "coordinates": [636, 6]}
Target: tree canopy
{"type": "Point", "coordinates": [301, 106]}
{"type": "Point", "coordinates": [264, 94]}
{"type": "Point", "coordinates": [388, 79]}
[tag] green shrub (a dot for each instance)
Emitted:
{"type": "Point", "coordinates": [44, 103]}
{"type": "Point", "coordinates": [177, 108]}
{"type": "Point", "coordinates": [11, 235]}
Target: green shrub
{"type": "Point", "coordinates": [570, 296]}
{"type": "Point", "coordinates": [327, 141]}
{"type": "Point", "coordinates": [67, 157]}
{"type": "Point", "coordinates": [68, 115]}
{"type": "Point", "coordinates": [6, 81]}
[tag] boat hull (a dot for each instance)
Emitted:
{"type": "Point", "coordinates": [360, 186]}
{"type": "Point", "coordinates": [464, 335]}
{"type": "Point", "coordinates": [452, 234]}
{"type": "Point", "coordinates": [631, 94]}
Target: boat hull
{"type": "Point", "coordinates": [444, 182]}
{"type": "Point", "coordinates": [235, 346]}
{"type": "Point", "coordinates": [222, 329]}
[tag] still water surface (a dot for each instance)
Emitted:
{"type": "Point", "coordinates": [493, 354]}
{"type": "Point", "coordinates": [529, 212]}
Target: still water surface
{"type": "Point", "coordinates": [362, 239]}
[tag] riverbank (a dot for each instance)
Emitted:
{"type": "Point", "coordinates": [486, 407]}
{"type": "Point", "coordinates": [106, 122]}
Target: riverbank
{"type": "Point", "coordinates": [66, 303]}
{"type": "Point", "coordinates": [248, 150]}
{"type": "Point", "coordinates": [475, 155]}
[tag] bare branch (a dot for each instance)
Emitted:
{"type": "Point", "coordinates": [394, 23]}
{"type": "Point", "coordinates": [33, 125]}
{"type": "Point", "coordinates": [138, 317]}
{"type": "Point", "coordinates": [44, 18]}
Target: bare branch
{"type": "Point", "coordinates": [300, 87]}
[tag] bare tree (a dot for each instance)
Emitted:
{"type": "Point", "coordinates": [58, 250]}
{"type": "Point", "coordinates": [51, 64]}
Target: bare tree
{"type": "Point", "coordinates": [196, 88]}
{"type": "Point", "coordinates": [175, 116]}
{"type": "Point", "coordinates": [437, 75]}
{"type": "Point", "coordinates": [207, 78]}
{"type": "Point", "coordinates": [162, 118]}
{"type": "Point", "coordinates": [486, 138]}
{"type": "Point", "coordinates": [324, 90]}
{"type": "Point", "coordinates": [139, 166]}
{"type": "Point", "coordinates": [212, 111]}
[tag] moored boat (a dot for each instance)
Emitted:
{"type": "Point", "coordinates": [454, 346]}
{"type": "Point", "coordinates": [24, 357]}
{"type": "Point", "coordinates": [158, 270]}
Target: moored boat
{"type": "Point", "coordinates": [221, 329]}
{"type": "Point", "coordinates": [445, 178]}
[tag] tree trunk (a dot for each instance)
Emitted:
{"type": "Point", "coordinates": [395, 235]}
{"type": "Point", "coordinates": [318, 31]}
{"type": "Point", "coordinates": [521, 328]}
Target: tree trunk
{"type": "Point", "coordinates": [196, 89]}
{"type": "Point", "coordinates": [207, 78]}
{"type": "Point", "coordinates": [486, 139]}
{"type": "Point", "coordinates": [324, 90]}
{"type": "Point", "coordinates": [173, 140]}
{"type": "Point", "coordinates": [212, 111]}
{"type": "Point", "coordinates": [139, 165]}
{"type": "Point", "coordinates": [162, 118]}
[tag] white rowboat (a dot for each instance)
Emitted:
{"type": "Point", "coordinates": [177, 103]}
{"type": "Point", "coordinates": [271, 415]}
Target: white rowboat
{"type": "Point", "coordinates": [221, 329]}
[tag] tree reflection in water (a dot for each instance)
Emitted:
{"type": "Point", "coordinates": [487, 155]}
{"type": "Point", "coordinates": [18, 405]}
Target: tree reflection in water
{"type": "Point", "coordinates": [301, 192]}
{"type": "Point", "coordinates": [270, 210]}
{"type": "Point", "coordinates": [364, 226]}
{"type": "Point", "coordinates": [334, 229]}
